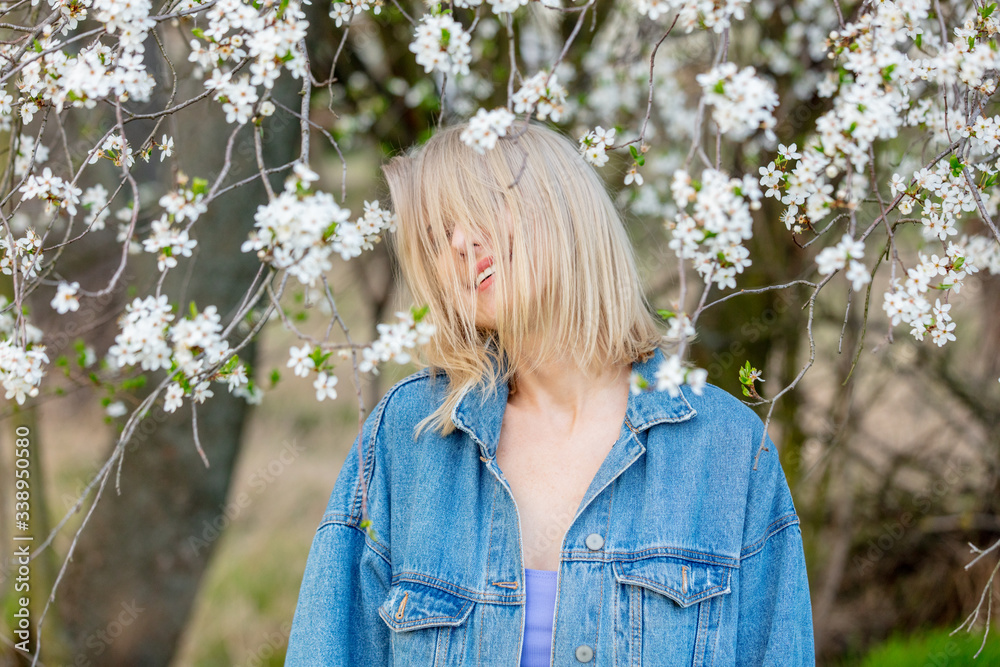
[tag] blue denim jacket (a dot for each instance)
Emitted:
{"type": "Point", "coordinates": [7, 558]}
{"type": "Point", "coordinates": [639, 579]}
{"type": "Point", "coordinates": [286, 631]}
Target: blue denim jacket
{"type": "Point", "coordinates": [681, 553]}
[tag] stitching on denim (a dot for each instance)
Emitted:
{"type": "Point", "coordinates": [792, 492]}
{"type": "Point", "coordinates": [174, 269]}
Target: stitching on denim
{"type": "Point", "coordinates": [443, 634]}
{"type": "Point", "coordinates": [776, 526]}
{"type": "Point", "coordinates": [720, 602]}
{"type": "Point", "coordinates": [479, 654]}
{"type": "Point", "coordinates": [369, 456]}
{"type": "Point", "coordinates": [402, 606]}
{"type": "Point", "coordinates": [616, 620]}
{"type": "Point", "coordinates": [653, 552]}
{"type": "Point", "coordinates": [700, 639]}
{"type": "Point", "coordinates": [637, 627]}
{"type": "Point", "coordinates": [448, 587]}
{"type": "Point", "coordinates": [505, 584]}
{"type": "Point", "coordinates": [493, 515]}
{"type": "Point", "coordinates": [657, 586]}
{"type": "Point", "coordinates": [420, 622]}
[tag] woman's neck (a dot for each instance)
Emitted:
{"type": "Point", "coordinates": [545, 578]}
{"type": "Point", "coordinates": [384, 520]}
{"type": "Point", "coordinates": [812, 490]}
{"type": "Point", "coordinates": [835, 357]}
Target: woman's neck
{"type": "Point", "coordinates": [561, 387]}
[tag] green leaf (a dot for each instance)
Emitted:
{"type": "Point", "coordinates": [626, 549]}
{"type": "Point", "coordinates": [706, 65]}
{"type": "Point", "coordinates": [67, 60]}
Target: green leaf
{"type": "Point", "coordinates": [633, 151]}
{"type": "Point", "coordinates": [419, 313]}
{"type": "Point", "coordinates": [720, 88]}
{"type": "Point", "coordinates": [199, 33]}
{"type": "Point", "coordinates": [275, 376]}
{"type": "Point", "coordinates": [134, 383]}
{"type": "Point", "coordinates": [665, 314]}
{"type": "Point", "coordinates": [958, 263]}
{"type": "Point", "coordinates": [199, 186]}
{"type": "Point", "coordinates": [194, 309]}
{"type": "Point", "coordinates": [919, 40]}
{"type": "Point", "coordinates": [61, 360]}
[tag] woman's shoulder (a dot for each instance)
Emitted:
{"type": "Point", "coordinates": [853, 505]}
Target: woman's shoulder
{"type": "Point", "coordinates": [717, 404]}
{"type": "Point", "coordinates": [417, 395]}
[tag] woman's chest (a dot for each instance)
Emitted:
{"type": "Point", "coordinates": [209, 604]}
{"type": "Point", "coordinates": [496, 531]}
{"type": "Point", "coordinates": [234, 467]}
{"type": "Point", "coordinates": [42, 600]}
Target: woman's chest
{"type": "Point", "coordinates": [548, 474]}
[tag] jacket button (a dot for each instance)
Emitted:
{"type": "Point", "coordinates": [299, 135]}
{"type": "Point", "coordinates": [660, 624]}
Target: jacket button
{"type": "Point", "coordinates": [594, 542]}
{"type": "Point", "coordinates": [584, 653]}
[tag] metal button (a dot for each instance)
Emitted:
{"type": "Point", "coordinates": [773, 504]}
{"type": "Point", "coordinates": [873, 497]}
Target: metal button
{"type": "Point", "coordinates": [594, 542]}
{"type": "Point", "coordinates": [584, 653]}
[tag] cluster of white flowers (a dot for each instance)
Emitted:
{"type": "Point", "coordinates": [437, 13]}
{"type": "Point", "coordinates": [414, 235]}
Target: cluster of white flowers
{"type": "Point", "coordinates": [26, 249]}
{"type": "Point", "coordinates": [395, 341]}
{"type": "Point", "coordinates": [21, 370]}
{"type": "Point", "coordinates": [298, 230]}
{"type": "Point", "coordinates": [743, 101]}
{"type": "Point", "coordinates": [442, 44]}
{"type": "Point", "coordinates": [548, 100]}
{"type": "Point", "coordinates": [191, 337]}
{"type": "Point", "coordinates": [238, 97]}
{"type": "Point", "coordinates": [712, 234]}
{"type": "Point", "coordinates": [95, 200]}
{"type": "Point", "coordinates": [908, 302]}
{"type": "Point", "coordinates": [498, 6]}
{"type": "Point", "coordinates": [985, 134]}
{"type": "Point", "coordinates": [270, 33]}
{"type": "Point", "coordinates": [293, 233]}
{"type": "Point", "coordinates": [595, 144]}
{"type": "Point", "coordinates": [946, 195]}
{"type": "Point", "coordinates": [350, 238]}
{"type": "Point", "coordinates": [129, 18]}
{"type": "Point", "coordinates": [669, 377]}
{"type": "Point", "coordinates": [143, 339]}
{"type": "Point", "coordinates": [197, 345]}
{"type": "Point", "coordinates": [679, 328]}
{"type": "Point", "coordinates": [26, 148]}
{"type": "Point", "coordinates": [714, 14]}
{"type": "Point", "coordinates": [169, 242]}
{"type": "Point", "coordinates": [343, 12]}
{"type": "Point", "coordinates": [21, 365]}
{"type": "Point", "coordinates": [983, 252]}
{"type": "Point", "coordinates": [116, 149]}
{"type": "Point", "coordinates": [834, 258]}
{"type": "Point", "coordinates": [65, 299]}
{"type": "Point", "coordinates": [485, 128]}
{"type": "Point", "coordinates": [183, 204]}
{"type": "Point", "coordinates": [53, 190]}
{"type": "Point", "coordinates": [302, 360]}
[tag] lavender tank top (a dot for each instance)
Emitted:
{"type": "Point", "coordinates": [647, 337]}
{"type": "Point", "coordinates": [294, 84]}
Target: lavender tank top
{"type": "Point", "coordinates": [540, 602]}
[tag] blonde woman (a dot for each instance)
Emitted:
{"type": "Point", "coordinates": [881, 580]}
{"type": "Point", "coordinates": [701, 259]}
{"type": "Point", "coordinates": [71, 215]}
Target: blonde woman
{"type": "Point", "coordinates": [528, 508]}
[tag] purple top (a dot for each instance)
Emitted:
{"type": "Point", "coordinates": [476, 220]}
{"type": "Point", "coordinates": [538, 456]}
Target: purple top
{"type": "Point", "coordinates": [539, 605]}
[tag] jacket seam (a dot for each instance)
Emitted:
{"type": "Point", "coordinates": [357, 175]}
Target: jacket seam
{"type": "Point", "coordinates": [374, 545]}
{"type": "Point", "coordinates": [369, 457]}
{"type": "Point", "coordinates": [656, 552]}
{"type": "Point", "coordinates": [453, 589]}
{"type": "Point", "coordinates": [776, 526]}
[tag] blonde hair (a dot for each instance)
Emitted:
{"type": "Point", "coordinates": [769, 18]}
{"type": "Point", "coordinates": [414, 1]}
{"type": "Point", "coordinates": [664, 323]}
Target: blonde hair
{"type": "Point", "coordinates": [568, 286]}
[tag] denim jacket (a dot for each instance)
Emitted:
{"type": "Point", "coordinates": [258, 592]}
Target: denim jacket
{"type": "Point", "coordinates": [681, 551]}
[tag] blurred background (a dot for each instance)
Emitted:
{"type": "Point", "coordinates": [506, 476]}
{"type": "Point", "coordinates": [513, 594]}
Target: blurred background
{"type": "Point", "coordinates": [892, 450]}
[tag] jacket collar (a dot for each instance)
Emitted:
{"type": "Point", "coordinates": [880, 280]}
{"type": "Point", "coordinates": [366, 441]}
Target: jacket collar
{"type": "Point", "coordinates": [480, 415]}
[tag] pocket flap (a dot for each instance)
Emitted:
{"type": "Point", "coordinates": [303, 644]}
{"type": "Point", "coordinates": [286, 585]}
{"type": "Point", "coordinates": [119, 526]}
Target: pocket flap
{"type": "Point", "coordinates": [410, 606]}
{"type": "Point", "coordinates": [683, 581]}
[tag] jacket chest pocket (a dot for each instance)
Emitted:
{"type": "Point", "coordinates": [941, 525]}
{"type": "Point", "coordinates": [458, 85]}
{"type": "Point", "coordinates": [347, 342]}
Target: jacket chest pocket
{"type": "Point", "coordinates": [668, 611]}
{"type": "Point", "coordinates": [428, 625]}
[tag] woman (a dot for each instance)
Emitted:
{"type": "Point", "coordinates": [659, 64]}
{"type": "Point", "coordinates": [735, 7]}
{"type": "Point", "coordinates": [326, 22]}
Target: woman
{"type": "Point", "coordinates": [527, 507]}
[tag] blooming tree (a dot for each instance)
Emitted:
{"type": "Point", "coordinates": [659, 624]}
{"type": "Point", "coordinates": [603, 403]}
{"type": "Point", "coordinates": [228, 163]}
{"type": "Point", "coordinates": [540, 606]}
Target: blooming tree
{"type": "Point", "coordinates": [894, 180]}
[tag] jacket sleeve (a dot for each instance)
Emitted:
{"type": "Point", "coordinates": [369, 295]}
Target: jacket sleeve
{"type": "Point", "coordinates": [347, 573]}
{"type": "Point", "coordinates": [774, 625]}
